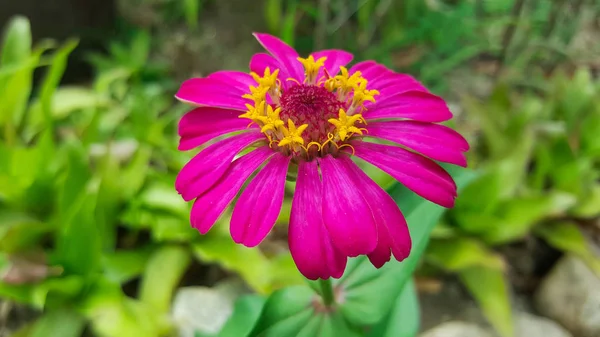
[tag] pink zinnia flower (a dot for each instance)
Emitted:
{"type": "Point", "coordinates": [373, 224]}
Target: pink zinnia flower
{"type": "Point", "coordinates": [310, 116]}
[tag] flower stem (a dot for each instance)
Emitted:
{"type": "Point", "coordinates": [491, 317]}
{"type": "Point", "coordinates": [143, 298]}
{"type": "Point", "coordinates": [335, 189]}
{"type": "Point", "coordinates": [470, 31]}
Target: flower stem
{"type": "Point", "coordinates": [326, 292]}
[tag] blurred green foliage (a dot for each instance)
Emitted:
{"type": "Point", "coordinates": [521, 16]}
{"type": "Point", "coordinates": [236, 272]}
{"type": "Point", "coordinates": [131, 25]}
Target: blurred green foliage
{"type": "Point", "coordinates": [539, 162]}
{"type": "Point", "coordinates": [94, 236]}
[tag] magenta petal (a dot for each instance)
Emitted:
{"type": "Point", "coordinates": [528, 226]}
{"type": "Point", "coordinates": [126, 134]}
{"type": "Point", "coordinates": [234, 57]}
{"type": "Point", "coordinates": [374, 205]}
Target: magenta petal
{"type": "Point", "coordinates": [201, 173]}
{"type": "Point", "coordinates": [367, 67]}
{"type": "Point", "coordinates": [335, 59]}
{"type": "Point", "coordinates": [392, 84]}
{"type": "Point", "coordinates": [286, 55]}
{"type": "Point", "coordinates": [386, 81]}
{"type": "Point", "coordinates": [346, 214]}
{"type": "Point", "coordinates": [203, 124]}
{"type": "Point", "coordinates": [423, 176]}
{"type": "Point", "coordinates": [435, 141]}
{"type": "Point", "coordinates": [259, 205]}
{"type": "Point", "coordinates": [262, 61]}
{"type": "Point", "coordinates": [393, 235]}
{"type": "Point", "coordinates": [238, 79]}
{"type": "Point", "coordinates": [212, 92]}
{"type": "Point", "coordinates": [415, 105]}
{"type": "Point", "coordinates": [210, 205]}
{"type": "Point", "coordinates": [309, 241]}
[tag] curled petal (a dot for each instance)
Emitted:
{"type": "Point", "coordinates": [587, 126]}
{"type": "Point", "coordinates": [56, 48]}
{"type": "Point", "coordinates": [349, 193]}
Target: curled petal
{"type": "Point", "coordinates": [203, 124]}
{"type": "Point", "coordinates": [423, 176]}
{"type": "Point", "coordinates": [416, 105]}
{"type": "Point", "coordinates": [201, 173]}
{"type": "Point", "coordinates": [285, 54]}
{"type": "Point", "coordinates": [212, 92]}
{"type": "Point", "coordinates": [346, 214]}
{"type": "Point", "coordinates": [310, 244]}
{"type": "Point", "coordinates": [435, 141]}
{"type": "Point", "coordinates": [393, 235]}
{"type": "Point", "coordinates": [210, 205]}
{"type": "Point", "coordinates": [259, 205]}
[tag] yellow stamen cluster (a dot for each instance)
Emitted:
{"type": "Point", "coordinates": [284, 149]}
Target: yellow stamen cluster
{"type": "Point", "coordinates": [292, 136]}
{"type": "Point", "coordinates": [312, 67]}
{"type": "Point", "coordinates": [268, 118]}
{"type": "Point", "coordinates": [344, 125]}
{"type": "Point", "coordinates": [355, 83]}
{"type": "Point", "coordinates": [351, 91]}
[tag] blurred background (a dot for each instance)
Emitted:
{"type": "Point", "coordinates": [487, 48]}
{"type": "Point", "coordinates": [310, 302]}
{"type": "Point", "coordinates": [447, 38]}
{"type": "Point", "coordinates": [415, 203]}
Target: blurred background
{"type": "Point", "coordinates": [95, 241]}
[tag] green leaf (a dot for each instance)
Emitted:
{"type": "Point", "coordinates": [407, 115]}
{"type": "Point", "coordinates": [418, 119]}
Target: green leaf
{"type": "Point", "coordinates": [191, 8]}
{"type": "Point", "coordinates": [16, 42]}
{"type": "Point", "coordinates": [567, 237]}
{"type": "Point", "coordinates": [65, 101]}
{"type": "Point", "coordinates": [370, 293]}
{"type": "Point", "coordinates": [490, 289]}
{"type": "Point", "coordinates": [162, 275]}
{"type": "Point", "coordinates": [245, 315]}
{"type": "Point", "coordinates": [114, 315]}
{"type": "Point", "coordinates": [122, 266]}
{"type": "Point", "coordinates": [79, 245]}
{"type": "Point", "coordinates": [459, 253]}
{"type": "Point", "coordinates": [58, 323]}
{"type": "Point", "coordinates": [289, 23]}
{"type": "Point", "coordinates": [273, 13]}
{"type": "Point", "coordinates": [519, 215]}
{"type": "Point", "coordinates": [589, 206]}
{"type": "Point", "coordinates": [134, 175]}
{"type": "Point", "coordinates": [162, 197]}
{"type": "Point", "coordinates": [53, 77]}
{"type": "Point", "coordinates": [405, 317]}
{"type": "Point", "coordinates": [286, 312]}
{"type": "Point", "coordinates": [335, 324]}
{"type": "Point", "coordinates": [108, 202]}
{"type": "Point", "coordinates": [20, 231]}
{"type": "Point", "coordinates": [57, 292]}
{"type": "Point", "coordinates": [15, 86]}
{"type": "Point", "coordinates": [251, 264]}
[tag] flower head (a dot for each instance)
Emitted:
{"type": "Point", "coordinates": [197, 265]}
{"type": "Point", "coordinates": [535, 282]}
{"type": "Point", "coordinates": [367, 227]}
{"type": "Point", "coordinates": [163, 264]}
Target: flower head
{"type": "Point", "coordinates": [316, 113]}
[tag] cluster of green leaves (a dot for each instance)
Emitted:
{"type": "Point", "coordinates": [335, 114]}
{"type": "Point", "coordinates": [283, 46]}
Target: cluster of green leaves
{"type": "Point", "coordinates": [539, 155]}
{"type": "Point", "coordinates": [87, 200]}
{"type": "Point", "coordinates": [432, 38]}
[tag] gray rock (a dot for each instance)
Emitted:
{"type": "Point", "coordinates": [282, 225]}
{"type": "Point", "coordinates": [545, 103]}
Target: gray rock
{"type": "Point", "coordinates": [201, 309]}
{"type": "Point", "coordinates": [457, 329]}
{"type": "Point", "coordinates": [570, 295]}
{"type": "Point", "coordinates": [528, 325]}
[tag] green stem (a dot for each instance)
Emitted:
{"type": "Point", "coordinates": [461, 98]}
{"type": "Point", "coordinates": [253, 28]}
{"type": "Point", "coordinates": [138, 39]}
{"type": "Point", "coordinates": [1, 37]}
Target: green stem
{"type": "Point", "coordinates": [326, 292]}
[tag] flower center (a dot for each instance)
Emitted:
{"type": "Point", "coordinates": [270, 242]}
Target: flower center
{"type": "Point", "coordinates": [313, 118]}
{"type": "Point", "coordinates": [311, 105]}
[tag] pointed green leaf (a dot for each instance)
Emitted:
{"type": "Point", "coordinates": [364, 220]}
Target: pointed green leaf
{"type": "Point", "coordinates": [519, 215]}
{"type": "Point", "coordinates": [491, 291]}
{"type": "Point", "coordinates": [162, 275]}
{"type": "Point", "coordinates": [567, 237]}
{"type": "Point", "coordinates": [245, 315]}
{"type": "Point", "coordinates": [286, 312]}
{"type": "Point", "coordinates": [58, 323]}
{"type": "Point", "coordinates": [404, 319]}
{"type": "Point", "coordinates": [459, 253]}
